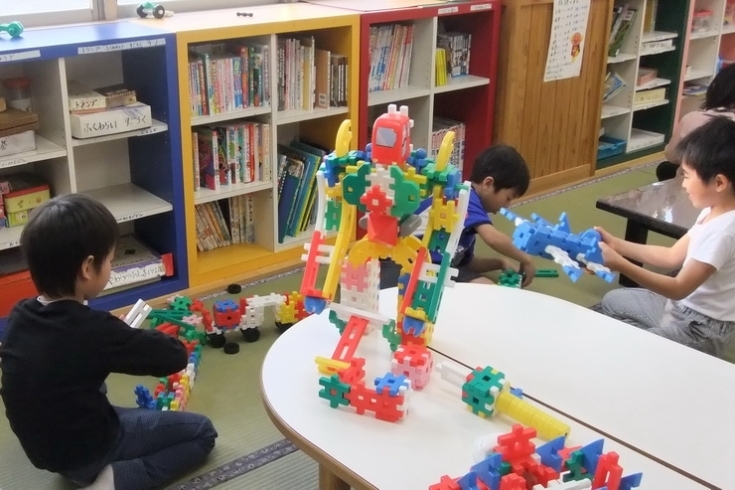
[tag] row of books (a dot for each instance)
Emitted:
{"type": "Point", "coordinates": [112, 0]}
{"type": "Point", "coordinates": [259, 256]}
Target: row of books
{"type": "Point", "coordinates": [440, 127]}
{"type": "Point", "coordinates": [622, 20]}
{"type": "Point", "coordinates": [234, 153]}
{"type": "Point", "coordinates": [309, 77]}
{"type": "Point", "coordinates": [217, 227]}
{"type": "Point", "coordinates": [390, 56]}
{"type": "Point", "coordinates": [297, 192]}
{"type": "Point", "coordinates": [456, 47]}
{"type": "Point", "coordinates": [225, 77]}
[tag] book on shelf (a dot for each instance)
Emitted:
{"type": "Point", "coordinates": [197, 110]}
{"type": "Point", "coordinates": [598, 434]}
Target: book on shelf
{"type": "Point", "coordinates": [226, 77]}
{"type": "Point", "coordinates": [214, 230]}
{"type": "Point", "coordinates": [623, 17]}
{"type": "Point", "coordinates": [134, 264]}
{"type": "Point", "coordinates": [440, 127]}
{"type": "Point", "coordinates": [390, 56]}
{"type": "Point", "coordinates": [20, 193]}
{"type": "Point", "coordinates": [614, 84]}
{"type": "Point", "coordinates": [310, 77]}
{"type": "Point", "coordinates": [456, 46]}
{"type": "Point", "coordinates": [234, 153]}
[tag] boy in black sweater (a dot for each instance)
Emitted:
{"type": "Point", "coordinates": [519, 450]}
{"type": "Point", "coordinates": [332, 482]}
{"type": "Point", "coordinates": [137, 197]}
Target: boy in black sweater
{"type": "Point", "coordinates": [58, 352]}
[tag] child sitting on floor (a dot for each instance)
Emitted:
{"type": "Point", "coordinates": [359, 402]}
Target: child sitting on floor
{"type": "Point", "coordinates": [500, 174]}
{"type": "Point", "coordinates": [696, 307]}
{"type": "Point", "coordinates": [58, 352]}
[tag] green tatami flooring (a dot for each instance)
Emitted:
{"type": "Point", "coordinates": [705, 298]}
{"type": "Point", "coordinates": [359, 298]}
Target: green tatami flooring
{"type": "Point", "coordinates": [227, 387]}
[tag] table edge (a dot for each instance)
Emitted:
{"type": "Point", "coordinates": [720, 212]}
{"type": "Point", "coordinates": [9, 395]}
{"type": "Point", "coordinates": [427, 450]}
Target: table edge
{"type": "Point", "coordinates": [314, 452]}
{"type": "Point", "coordinates": [669, 229]}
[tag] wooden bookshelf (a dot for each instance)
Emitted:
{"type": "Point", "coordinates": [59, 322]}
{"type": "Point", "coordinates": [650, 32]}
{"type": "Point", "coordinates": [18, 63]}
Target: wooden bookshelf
{"type": "Point", "coordinates": [136, 174]}
{"type": "Point", "coordinates": [643, 128]}
{"type": "Point", "coordinates": [333, 29]}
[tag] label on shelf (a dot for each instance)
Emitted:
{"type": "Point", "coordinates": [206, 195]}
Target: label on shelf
{"type": "Point", "coordinates": [112, 121]}
{"type": "Point", "coordinates": [23, 55]}
{"type": "Point", "coordinates": [482, 6]}
{"type": "Point", "coordinates": [105, 48]}
{"type": "Point", "coordinates": [10, 244]}
{"type": "Point", "coordinates": [448, 10]}
{"type": "Point", "coordinates": [130, 217]}
{"type": "Point", "coordinates": [12, 162]}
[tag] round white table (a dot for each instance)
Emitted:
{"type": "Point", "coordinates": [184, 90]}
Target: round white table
{"type": "Point", "coordinates": [434, 439]}
{"type": "Point", "coordinates": [666, 400]}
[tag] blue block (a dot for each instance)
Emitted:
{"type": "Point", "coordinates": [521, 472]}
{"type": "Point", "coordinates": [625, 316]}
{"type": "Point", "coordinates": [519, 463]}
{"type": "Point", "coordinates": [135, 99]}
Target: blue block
{"type": "Point", "coordinates": [392, 382]}
{"type": "Point", "coordinates": [488, 470]}
{"type": "Point", "coordinates": [413, 326]}
{"type": "Point", "coordinates": [314, 305]}
{"type": "Point", "coordinates": [225, 306]}
{"type": "Point", "coordinates": [549, 453]}
{"type": "Point", "coordinates": [517, 392]}
{"type": "Point", "coordinates": [629, 482]}
{"type": "Point", "coordinates": [468, 481]}
{"type": "Point", "coordinates": [592, 452]}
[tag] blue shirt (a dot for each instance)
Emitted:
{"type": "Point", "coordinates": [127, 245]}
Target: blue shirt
{"type": "Point", "coordinates": [476, 216]}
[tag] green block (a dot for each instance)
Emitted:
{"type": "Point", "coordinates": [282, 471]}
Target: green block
{"type": "Point", "coordinates": [407, 194]}
{"type": "Point", "coordinates": [478, 405]}
{"type": "Point", "coordinates": [575, 465]}
{"type": "Point", "coordinates": [355, 184]}
{"type": "Point", "coordinates": [333, 215]}
{"type": "Point", "coordinates": [510, 278]}
{"type": "Point", "coordinates": [546, 273]}
{"type": "Point", "coordinates": [390, 334]}
{"type": "Point", "coordinates": [340, 324]}
{"type": "Point", "coordinates": [439, 240]}
{"type": "Point", "coordinates": [334, 391]}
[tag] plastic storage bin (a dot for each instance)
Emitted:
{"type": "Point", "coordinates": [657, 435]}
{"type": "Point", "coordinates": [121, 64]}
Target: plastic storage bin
{"type": "Point", "coordinates": [702, 21]}
{"type": "Point", "coordinates": [609, 147]}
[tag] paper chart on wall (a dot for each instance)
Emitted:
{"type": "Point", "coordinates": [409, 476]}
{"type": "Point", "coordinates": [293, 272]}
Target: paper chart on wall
{"type": "Point", "coordinates": [566, 46]}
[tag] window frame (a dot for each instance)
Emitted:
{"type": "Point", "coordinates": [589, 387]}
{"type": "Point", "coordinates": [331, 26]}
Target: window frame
{"type": "Point", "coordinates": [55, 18]}
{"type": "Point", "coordinates": [128, 10]}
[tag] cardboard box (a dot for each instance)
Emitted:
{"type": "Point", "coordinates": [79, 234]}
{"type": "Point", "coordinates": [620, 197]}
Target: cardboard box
{"type": "Point", "coordinates": [112, 121]}
{"type": "Point", "coordinates": [17, 143]}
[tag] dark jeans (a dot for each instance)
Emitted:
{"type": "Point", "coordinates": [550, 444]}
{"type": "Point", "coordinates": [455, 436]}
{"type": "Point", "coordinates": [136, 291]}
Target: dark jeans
{"type": "Point", "coordinates": [153, 448]}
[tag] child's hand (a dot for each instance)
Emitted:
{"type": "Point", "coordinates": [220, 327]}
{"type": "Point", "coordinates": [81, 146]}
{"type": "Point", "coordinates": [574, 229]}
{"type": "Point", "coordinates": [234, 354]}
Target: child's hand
{"type": "Point", "coordinates": [606, 237]}
{"type": "Point", "coordinates": [528, 271]}
{"type": "Point", "coordinates": [610, 257]}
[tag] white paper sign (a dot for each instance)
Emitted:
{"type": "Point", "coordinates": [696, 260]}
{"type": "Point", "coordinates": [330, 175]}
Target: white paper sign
{"type": "Point", "coordinates": [566, 46]}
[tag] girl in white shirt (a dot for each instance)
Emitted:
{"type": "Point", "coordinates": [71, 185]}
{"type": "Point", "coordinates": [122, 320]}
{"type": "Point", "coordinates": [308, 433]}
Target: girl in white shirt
{"type": "Point", "coordinates": [719, 101]}
{"type": "Point", "coordinates": [697, 306]}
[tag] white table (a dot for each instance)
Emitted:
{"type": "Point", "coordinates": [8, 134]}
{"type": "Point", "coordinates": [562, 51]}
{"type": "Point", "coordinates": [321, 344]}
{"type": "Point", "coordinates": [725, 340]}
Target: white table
{"type": "Point", "coordinates": [436, 437]}
{"type": "Point", "coordinates": [665, 399]}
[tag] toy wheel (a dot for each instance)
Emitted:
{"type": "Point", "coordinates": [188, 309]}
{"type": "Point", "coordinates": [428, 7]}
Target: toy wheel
{"type": "Point", "coordinates": [282, 327]}
{"type": "Point", "coordinates": [216, 340]}
{"type": "Point", "coordinates": [15, 29]}
{"type": "Point", "coordinates": [159, 12]}
{"type": "Point", "coordinates": [251, 334]}
{"type": "Point", "coordinates": [141, 12]}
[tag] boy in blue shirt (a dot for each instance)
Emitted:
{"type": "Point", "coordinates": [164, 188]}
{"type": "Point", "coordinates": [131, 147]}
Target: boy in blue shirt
{"type": "Point", "coordinates": [500, 174]}
{"type": "Point", "coordinates": [58, 352]}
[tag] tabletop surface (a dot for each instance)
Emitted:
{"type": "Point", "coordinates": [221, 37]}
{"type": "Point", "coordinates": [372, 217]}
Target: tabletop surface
{"type": "Point", "coordinates": [436, 437]}
{"type": "Point", "coordinates": [663, 398]}
{"type": "Point", "coordinates": [661, 203]}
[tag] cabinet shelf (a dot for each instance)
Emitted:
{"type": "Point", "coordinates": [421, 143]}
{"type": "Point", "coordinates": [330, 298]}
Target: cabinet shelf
{"type": "Point", "coordinates": [658, 82]}
{"type": "Point", "coordinates": [651, 52]}
{"type": "Point", "coordinates": [202, 196]}
{"type": "Point", "coordinates": [156, 127]}
{"type": "Point", "coordinates": [45, 150]}
{"type": "Point", "coordinates": [224, 257]}
{"type": "Point", "coordinates": [621, 57]}
{"type": "Point", "coordinates": [382, 97]}
{"type": "Point", "coordinates": [229, 116]}
{"type": "Point", "coordinates": [650, 105]}
{"type": "Point", "coordinates": [696, 75]}
{"type": "Point", "coordinates": [298, 115]}
{"type": "Point", "coordinates": [461, 83]}
{"type": "Point", "coordinates": [652, 36]}
{"type": "Point", "coordinates": [128, 202]}
{"type": "Point", "coordinates": [613, 110]}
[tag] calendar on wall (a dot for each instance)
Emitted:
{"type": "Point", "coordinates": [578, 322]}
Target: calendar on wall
{"type": "Point", "coordinates": [566, 46]}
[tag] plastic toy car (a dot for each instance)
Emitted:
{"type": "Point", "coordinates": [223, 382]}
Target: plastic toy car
{"type": "Point", "coordinates": [149, 8]}
{"type": "Point", "coordinates": [15, 29]}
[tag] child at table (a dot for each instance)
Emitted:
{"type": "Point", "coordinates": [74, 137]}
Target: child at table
{"type": "Point", "coordinates": [499, 175]}
{"type": "Point", "coordinates": [57, 353]}
{"type": "Point", "coordinates": [696, 307]}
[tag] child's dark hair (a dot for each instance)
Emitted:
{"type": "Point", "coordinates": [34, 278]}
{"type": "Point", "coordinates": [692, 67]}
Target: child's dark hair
{"type": "Point", "coordinates": [59, 236]}
{"type": "Point", "coordinates": [710, 149]}
{"type": "Point", "coordinates": [721, 91]}
{"type": "Point", "coordinates": [505, 165]}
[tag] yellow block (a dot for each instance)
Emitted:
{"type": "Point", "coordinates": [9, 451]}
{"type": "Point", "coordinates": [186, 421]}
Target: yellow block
{"type": "Point", "coordinates": [330, 366]}
{"type": "Point", "coordinates": [547, 427]}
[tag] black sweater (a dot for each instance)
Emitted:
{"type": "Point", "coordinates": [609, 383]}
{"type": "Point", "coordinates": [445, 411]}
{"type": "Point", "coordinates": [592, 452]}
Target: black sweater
{"type": "Point", "coordinates": [54, 360]}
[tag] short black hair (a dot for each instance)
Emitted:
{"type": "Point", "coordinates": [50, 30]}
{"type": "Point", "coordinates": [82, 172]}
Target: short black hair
{"type": "Point", "coordinates": [59, 236]}
{"type": "Point", "coordinates": [721, 90]}
{"type": "Point", "coordinates": [710, 149]}
{"type": "Point", "coordinates": [505, 165]}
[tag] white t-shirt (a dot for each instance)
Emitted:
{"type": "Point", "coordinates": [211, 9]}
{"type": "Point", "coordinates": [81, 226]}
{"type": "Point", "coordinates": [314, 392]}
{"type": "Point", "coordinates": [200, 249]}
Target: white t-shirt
{"type": "Point", "coordinates": [713, 243]}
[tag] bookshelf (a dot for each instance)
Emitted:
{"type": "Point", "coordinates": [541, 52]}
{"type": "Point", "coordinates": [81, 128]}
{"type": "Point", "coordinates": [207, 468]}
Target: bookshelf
{"type": "Point", "coordinates": [706, 47]}
{"type": "Point", "coordinates": [638, 120]}
{"type": "Point", "coordinates": [136, 174]}
{"type": "Point", "coordinates": [332, 29]}
{"type": "Point", "coordinates": [469, 98]}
